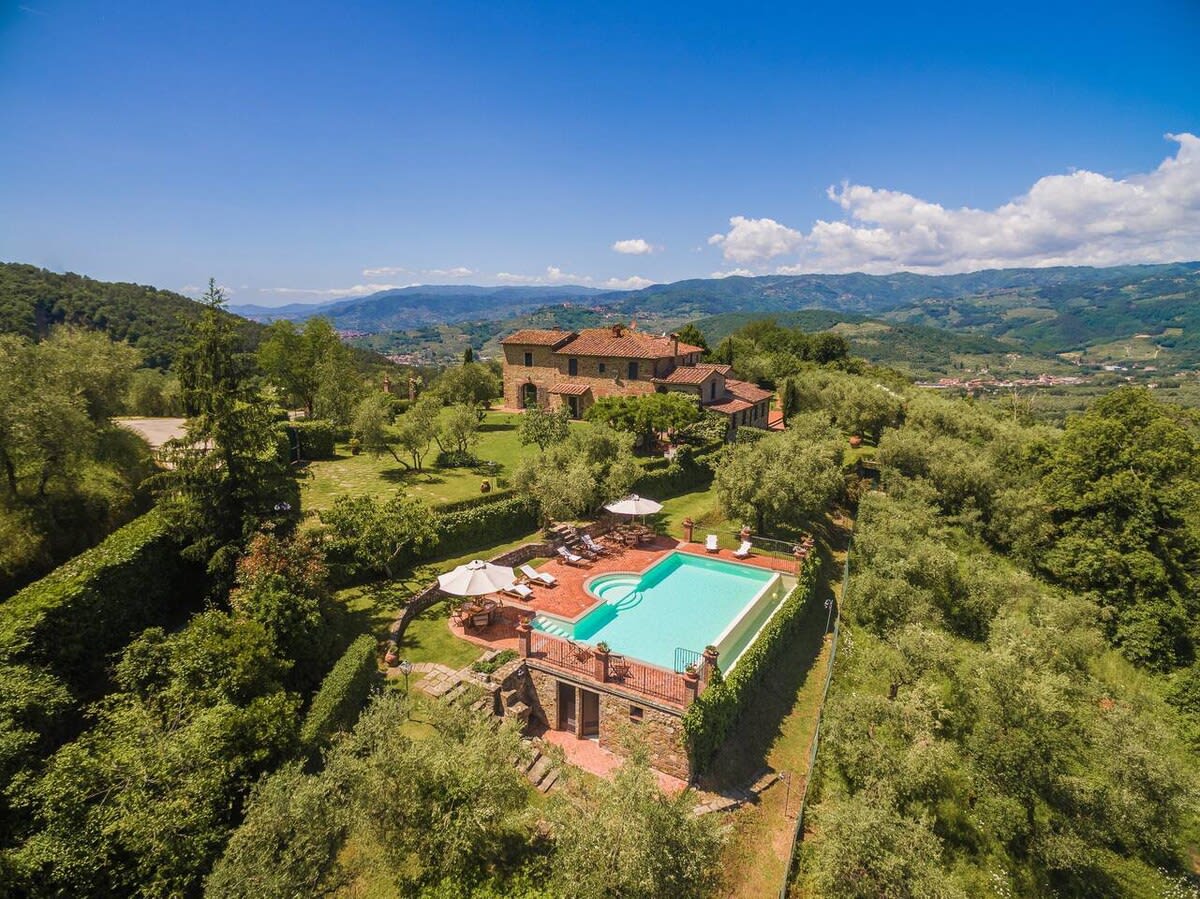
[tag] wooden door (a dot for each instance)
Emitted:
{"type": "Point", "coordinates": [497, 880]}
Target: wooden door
{"type": "Point", "coordinates": [566, 707]}
{"type": "Point", "coordinates": [591, 713]}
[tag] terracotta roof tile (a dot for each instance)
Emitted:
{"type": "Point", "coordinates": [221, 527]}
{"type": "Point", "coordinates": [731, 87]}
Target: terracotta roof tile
{"type": "Point", "coordinates": [630, 345]}
{"type": "Point", "coordinates": [715, 366]}
{"type": "Point", "coordinates": [538, 337]}
{"type": "Point", "coordinates": [686, 375]}
{"type": "Point", "coordinates": [567, 388]}
{"type": "Point", "coordinates": [744, 390]}
{"type": "Point", "coordinates": [729, 406]}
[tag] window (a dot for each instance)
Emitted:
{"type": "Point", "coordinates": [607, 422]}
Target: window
{"type": "Point", "coordinates": [633, 371]}
{"type": "Point", "coordinates": [602, 367]}
{"type": "Point", "coordinates": [636, 714]}
{"type": "Point", "coordinates": [572, 366]}
{"type": "Point", "coordinates": [712, 390]}
{"type": "Point", "coordinates": [529, 360]}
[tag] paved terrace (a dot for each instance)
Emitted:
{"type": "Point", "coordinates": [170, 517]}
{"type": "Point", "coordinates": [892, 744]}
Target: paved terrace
{"type": "Point", "coordinates": [570, 599]}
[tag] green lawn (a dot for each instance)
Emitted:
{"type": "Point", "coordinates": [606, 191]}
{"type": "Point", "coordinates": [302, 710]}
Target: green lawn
{"type": "Point", "coordinates": [373, 607]}
{"type": "Point", "coordinates": [383, 476]}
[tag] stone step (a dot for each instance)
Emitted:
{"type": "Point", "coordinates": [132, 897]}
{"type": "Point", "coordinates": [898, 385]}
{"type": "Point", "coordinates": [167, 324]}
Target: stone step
{"type": "Point", "coordinates": [455, 693]}
{"type": "Point", "coordinates": [527, 764]}
{"type": "Point", "coordinates": [767, 778]}
{"type": "Point", "coordinates": [482, 705]}
{"type": "Point", "coordinates": [549, 780]}
{"type": "Point", "coordinates": [539, 770]}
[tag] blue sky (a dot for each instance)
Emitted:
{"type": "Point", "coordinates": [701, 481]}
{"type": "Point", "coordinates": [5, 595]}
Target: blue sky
{"type": "Point", "coordinates": [303, 151]}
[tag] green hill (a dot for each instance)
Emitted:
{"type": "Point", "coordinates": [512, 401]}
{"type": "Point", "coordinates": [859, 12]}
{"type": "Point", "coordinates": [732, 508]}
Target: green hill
{"type": "Point", "coordinates": [152, 320]}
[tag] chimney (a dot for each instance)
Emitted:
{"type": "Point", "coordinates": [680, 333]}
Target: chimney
{"type": "Point", "coordinates": [674, 344]}
{"type": "Point", "coordinates": [617, 330]}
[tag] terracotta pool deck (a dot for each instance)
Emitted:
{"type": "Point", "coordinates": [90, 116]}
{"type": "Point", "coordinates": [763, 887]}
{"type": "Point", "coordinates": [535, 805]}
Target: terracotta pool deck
{"type": "Point", "coordinates": [569, 598]}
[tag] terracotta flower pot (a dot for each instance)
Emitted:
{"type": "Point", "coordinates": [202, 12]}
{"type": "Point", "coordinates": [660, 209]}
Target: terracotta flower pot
{"type": "Point", "coordinates": [856, 441]}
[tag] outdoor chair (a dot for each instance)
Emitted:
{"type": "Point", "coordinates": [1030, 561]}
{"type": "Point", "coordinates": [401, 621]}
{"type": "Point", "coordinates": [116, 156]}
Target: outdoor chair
{"type": "Point", "coordinates": [710, 543]}
{"type": "Point", "coordinates": [569, 557]}
{"type": "Point", "coordinates": [581, 652]}
{"type": "Point", "coordinates": [743, 551]}
{"type": "Point", "coordinates": [545, 578]}
{"type": "Point", "coordinates": [518, 590]}
{"type": "Point", "coordinates": [593, 545]}
{"type": "Point", "coordinates": [618, 667]}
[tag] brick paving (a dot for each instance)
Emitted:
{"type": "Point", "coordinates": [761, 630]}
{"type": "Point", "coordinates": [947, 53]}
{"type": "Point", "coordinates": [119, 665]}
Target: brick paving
{"type": "Point", "coordinates": [570, 599]}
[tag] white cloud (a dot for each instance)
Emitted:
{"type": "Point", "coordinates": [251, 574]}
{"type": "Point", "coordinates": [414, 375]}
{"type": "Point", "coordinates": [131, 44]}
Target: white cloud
{"type": "Point", "coordinates": [459, 271]}
{"type": "Point", "coordinates": [633, 282]}
{"type": "Point", "coordinates": [553, 275]}
{"type": "Point", "coordinates": [1080, 218]}
{"type": "Point", "coordinates": [634, 246]}
{"type": "Point", "coordinates": [741, 272]}
{"type": "Point", "coordinates": [358, 290]}
{"type": "Point", "coordinates": [753, 240]}
{"type": "Point", "coordinates": [385, 271]}
{"type": "Point", "coordinates": [197, 291]}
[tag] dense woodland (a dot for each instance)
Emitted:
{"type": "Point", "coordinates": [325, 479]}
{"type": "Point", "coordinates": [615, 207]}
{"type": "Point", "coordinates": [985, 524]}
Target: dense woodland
{"type": "Point", "coordinates": [1013, 710]}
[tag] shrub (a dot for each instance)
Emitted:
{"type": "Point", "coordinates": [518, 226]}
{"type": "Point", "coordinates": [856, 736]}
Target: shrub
{"type": "Point", "coordinates": [75, 617]}
{"type": "Point", "coordinates": [484, 499]}
{"type": "Point", "coordinates": [485, 523]}
{"type": "Point", "coordinates": [317, 438]}
{"type": "Point", "coordinates": [343, 694]}
{"type": "Point", "coordinates": [712, 717]}
{"type": "Point", "coordinates": [455, 459]}
{"type": "Point", "coordinates": [495, 664]}
{"type": "Point", "coordinates": [686, 473]}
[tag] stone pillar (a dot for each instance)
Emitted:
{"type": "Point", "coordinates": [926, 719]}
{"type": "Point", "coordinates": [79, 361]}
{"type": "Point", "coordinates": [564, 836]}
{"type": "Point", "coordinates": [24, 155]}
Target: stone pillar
{"type": "Point", "coordinates": [710, 662]}
{"type": "Point", "coordinates": [524, 630]}
{"type": "Point", "coordinates": [688, 528]}
{"type": "Point", "coordinates": [691, 687]}
{"type": "Point", "coordinates": [600, 666]}
{"type": "Point", "coordinates": [578, 713]}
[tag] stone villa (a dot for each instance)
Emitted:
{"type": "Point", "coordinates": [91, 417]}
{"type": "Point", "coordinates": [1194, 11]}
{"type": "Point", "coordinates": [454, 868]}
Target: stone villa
{"type": "Point", "coordinates": [557, 368]}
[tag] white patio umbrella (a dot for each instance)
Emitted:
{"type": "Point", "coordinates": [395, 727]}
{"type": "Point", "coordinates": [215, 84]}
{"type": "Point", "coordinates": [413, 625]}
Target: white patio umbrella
{"type": "Point", "coordinates": [634, 505]}
{"type": "Point", "coordinates": [475, 579]}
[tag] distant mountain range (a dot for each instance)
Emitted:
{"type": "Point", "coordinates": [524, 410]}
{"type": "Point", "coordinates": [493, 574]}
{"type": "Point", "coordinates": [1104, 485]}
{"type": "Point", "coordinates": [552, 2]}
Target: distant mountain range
{"type": "Point", "coordinates": [412, 307]}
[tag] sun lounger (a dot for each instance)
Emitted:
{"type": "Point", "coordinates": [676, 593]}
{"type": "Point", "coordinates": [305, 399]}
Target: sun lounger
{"type": "Point", "coordinates": [710, 543]}
{"type": "Point", "coordinates": [593, 545]}
{"type": "Point", "coordinates": [541, 577]}
{"type": "Point", "coordinates": [518, 590]}
{"type": "Point", "coordinates": [742, 551]}
{"type": "Point", "coordinates": [569, 557]}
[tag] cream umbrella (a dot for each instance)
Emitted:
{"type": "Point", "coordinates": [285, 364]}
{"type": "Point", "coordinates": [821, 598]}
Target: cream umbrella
{"type": "Point", "coordinates": [634, 505]}
{"type": "Point", "coordinates": [475, 579]}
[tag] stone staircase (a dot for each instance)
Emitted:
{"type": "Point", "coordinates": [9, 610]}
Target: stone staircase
{"type": "Point", "coordinates": [497, 703]}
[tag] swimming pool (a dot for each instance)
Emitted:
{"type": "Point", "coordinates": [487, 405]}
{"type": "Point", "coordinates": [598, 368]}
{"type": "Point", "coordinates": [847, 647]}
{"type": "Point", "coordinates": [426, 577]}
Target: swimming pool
{"type": "Point", "coordinates": [683, 601]}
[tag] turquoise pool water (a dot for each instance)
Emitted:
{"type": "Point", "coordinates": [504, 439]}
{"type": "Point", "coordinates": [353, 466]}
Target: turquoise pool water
{"type": "Point", "coordinates": [684, 601]}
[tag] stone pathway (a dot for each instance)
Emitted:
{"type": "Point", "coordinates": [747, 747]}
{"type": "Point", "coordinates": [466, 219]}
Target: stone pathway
{"type": "Point", "coordinates": [732, 799]}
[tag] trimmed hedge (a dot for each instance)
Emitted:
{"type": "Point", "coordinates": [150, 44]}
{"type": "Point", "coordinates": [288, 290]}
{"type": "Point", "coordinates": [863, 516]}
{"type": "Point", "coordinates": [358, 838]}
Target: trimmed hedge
{"type": "Point", "coordinates": [664, 481]}
{"type": "Point", "coordinates": [485, 524]}
{"type": "Point", "coordinates": [471, 502]}
{"type": "Point", "coordinates": [710, 720]}
{"type": "Point", "coordinates": [317, 438]}
{"type": "Point", "coordinates": [343, 694]}
{"type": "Point", "coordinates": [73, 619]}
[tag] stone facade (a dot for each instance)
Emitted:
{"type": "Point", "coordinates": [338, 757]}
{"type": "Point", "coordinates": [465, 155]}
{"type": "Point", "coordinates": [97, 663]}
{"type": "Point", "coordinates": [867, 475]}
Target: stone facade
{"type": "Point", "coordinates": [621, 717]}
{"type": "Point", "coordinates": [548, 368]}
{"type": "Point", "coordinates": [556, 369]}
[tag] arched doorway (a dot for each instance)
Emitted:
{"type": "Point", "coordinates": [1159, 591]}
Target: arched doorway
{"type": "Point", "coordinates": [528, 395]}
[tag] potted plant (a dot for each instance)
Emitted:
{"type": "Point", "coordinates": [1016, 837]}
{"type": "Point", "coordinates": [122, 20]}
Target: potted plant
{"type": "Point", "coordinates": [392, 657]}
{"type": "Point", "coordinates": [486, 486]}
{"type": "Point", "coordinates": [602, 647]}
{"type": "Point", "coordinates": [856, 441]}
{"type": "Point", "coordinates": [355, 446]}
